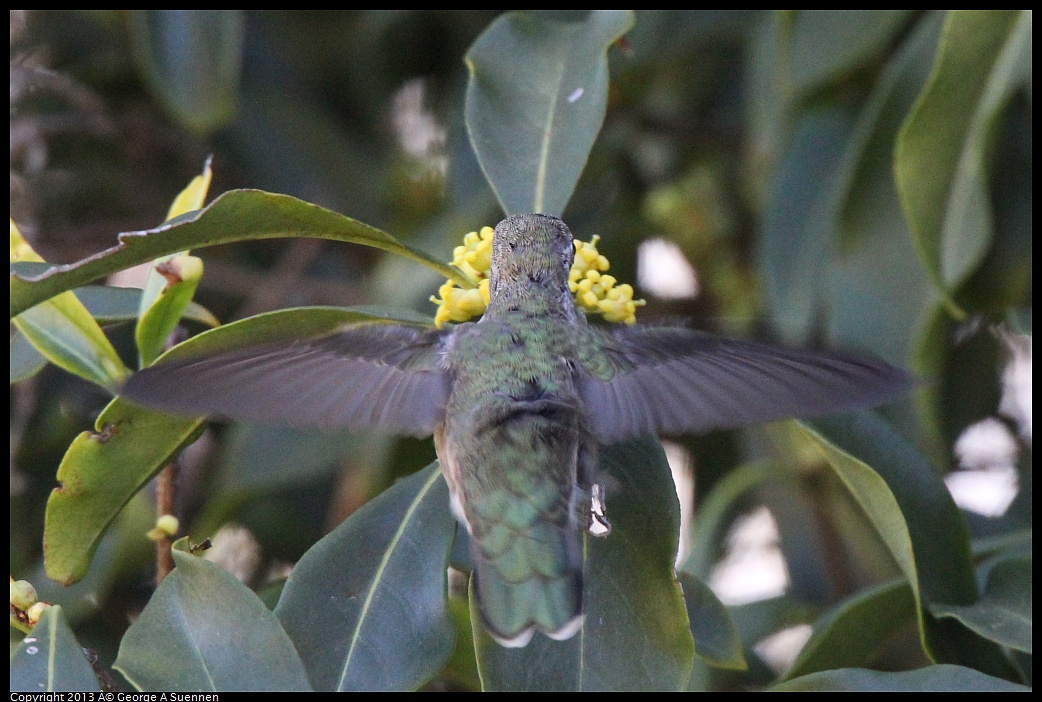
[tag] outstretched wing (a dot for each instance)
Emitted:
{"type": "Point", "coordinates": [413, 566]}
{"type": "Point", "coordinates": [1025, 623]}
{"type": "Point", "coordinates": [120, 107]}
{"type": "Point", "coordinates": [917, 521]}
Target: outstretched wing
{"type": "Point", "coordinates": [679, 381]}
{"type": "Point", "coordinates": [384, 377]}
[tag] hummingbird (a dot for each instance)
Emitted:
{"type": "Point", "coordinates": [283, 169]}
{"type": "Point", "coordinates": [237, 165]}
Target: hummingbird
{"type": "Point", "coordinates": [518, 403]}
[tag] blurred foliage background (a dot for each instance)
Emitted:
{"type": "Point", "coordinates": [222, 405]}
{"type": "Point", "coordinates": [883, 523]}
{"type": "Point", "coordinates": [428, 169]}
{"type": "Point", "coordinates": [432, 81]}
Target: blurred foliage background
{"type": "Point", "coordinates": [761, 145]}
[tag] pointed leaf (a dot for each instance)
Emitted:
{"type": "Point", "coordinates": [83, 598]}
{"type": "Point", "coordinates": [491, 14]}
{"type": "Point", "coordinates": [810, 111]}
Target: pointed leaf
{"type": "Point", "coordinates": [854, 629]}
{"type": "Point", "coordinates": [99, 473]}
{"type": "Point", "coordinates": [191, 60]}
{"type": "Point", "coordinates": [715, 634]}
{"type": "Point", "coordinates": [934, 678]}
{"type": "Point", "coordinates": [171, 281]}
{"type": "Point", "coordinates": [934, 524]}
{"type": "Point", "coordinates": [828, 45]}
{"type": "Point", "coordinates": [204, 631]}
{"type": "Point", "coordinates": [107, 305]}
{"type": "Point", "coordinates": [366, 605]}
{"type": "Point", "coordinates": [294, 323]}
{"type": "Point", "coordinates": [64, 332]}
{"type": "Point", "coordinates": [1003, 613]}
{"type": "Point", "coordinates": [940, 157]}
{"type": "Point", "coordinates": [536, 100]}
{"type": "Point", "coordinates": [635, 635]}
{"type": "Point", "coordinates": [877, 290]}
{"type": "Point", "coordinates": [915, 516]}
{"type": "Point", "coordinates": [237, 215]}
{"type": "Point", "coordinates": [49, 659]}
{"type": "Point", "coordinates": [161, 317]}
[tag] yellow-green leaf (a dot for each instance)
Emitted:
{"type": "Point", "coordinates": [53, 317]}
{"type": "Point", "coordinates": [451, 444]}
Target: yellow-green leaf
{"type": "Point", "coordinates": [63, 331]}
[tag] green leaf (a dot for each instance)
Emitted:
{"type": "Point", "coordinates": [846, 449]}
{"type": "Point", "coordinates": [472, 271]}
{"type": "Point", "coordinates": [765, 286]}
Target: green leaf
{"type": "Point", "coordinates": [716, 637]}
{"type": "Point", "coordinates": [107, 305]}
{"type": "Point", "coordinates": [203, 630]}
{"type": "Point", "coordinates": [294, 323]}
{"type": "Point", "coordinates": [162, 316]}
{"type": "Point", "coordinates": [26, 361]}
{"type": "Point", "coordinates": [872, 492]}
{"type": "Point", "coordinates": [828, 45]}
{"type": "Point", "coordinates": [915, 516]}
{"type": "Point", "coordinates": [854, 629]}
{"type": "Point", "coordinates": [1003, 613]}
{"type": "Point", "coordinates": [49, 659]}
{"type": "Point", "coordinates": [877, 290]}
{"type": "Point", "coordinates": [366, 605]}
{"type": "Point", "coordinates": [927, 514]}
{"type": "Point", "coordinates": [536, 100]}
{"type": "Point", "coordinates": [635, 635]}
{"type": "Point", "coordinates": [796, 243]}
{"type": "Point", "coordinates": [120, 551]}
{"type": "Point", "coordinates": [99, 473]}
{"type": "Point", "coordinates": [191, 60]}
{"type": "Point", "coordinates": [171, 280]}
{"type": "Point", "coordinates": [237, 215]}
{"type": "Point", "coordinates": [940, 158]}
{"type": "Point", "coordinates": [935, 678]}
{"type": "Point", "coordinates": [64, 332]}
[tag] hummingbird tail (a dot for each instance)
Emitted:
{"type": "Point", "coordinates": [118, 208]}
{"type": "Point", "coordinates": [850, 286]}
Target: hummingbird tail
{"type": "Point", "coordinates": [513, 605]}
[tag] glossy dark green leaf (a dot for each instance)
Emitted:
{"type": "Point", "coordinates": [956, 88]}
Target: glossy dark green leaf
{"type": "Point", "coordinates": [191, 60]}
{"type": "Point", "coordinates": [914, 515]}
{"type": "Point", "coordinates": [366, 605]}
{"type": "Point", "coordinates": [49, 659]}
{"type": "Point", "coordinates": [237, 215]}
{"type": "Point", "coordinates": [1003, 613]}
{"type": "Point", "coordinates": [797, 239]}
{"type": "Point", "coordinates": [635, 635]}
{"type": "Point", "coordinates": [715, 635]}
{"type": "Point", "coordinates": [935, 678]}
{"type": "Point", "coordinates": [827, 45]}
{"type": "Point", "coordinates": [940, 156]}
{"type": "Point", "coordinates": [204, 631]}
{"type": "Point", "coordinates": [852, 630]}
{"type": "Point", "coordinates": [536, 100]}
{"type": "Point", "coordinates": [934, 524]}
{"type": "Point", "coordinates": [99, 473]}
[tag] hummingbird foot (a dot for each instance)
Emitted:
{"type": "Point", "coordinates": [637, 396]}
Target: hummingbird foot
{"type": "Point", "coordinates": [599, 524]}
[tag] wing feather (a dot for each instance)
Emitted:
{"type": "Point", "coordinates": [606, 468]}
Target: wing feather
{"type": "Point", "coordinates": [670, 380]}
{"type": "Point", "coordinates": [383, 377]}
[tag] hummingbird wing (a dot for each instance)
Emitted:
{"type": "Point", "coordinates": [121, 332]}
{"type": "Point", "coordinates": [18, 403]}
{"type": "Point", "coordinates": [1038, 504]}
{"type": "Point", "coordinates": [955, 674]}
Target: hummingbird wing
{"type": "Point", "coordinates": [666, 380]}
{"type": "Point", "coordinates": [377, 376]}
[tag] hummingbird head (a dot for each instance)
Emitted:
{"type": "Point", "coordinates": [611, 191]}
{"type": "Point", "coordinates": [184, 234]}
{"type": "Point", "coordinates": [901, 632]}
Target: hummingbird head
{"type": "Point", "coordinates": [531, 249]}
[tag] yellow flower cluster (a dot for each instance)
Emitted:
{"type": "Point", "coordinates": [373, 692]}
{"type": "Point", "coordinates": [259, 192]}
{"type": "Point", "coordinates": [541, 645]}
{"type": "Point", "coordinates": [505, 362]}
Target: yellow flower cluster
{"type": "Point", "coordinates": [594, 291]}
{"type": "Point", "coordinates": [475, 259]}
{"type": "Point", "coordinates": [597, 292]}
